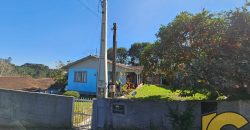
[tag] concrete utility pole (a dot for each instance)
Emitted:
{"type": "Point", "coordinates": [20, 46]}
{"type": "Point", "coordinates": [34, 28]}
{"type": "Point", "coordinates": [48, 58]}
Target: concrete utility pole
{"type": "Point", "coordinates": [102, 85]}
{"type": "Point", "coordinates": [247, 3]}
{"type": "Point", "coordinates": [113, 87]}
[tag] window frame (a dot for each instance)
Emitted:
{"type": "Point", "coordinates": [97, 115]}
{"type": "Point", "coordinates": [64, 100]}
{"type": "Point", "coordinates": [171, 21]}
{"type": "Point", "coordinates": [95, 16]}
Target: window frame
{"type": "Point", "coordinates": [82, 78]}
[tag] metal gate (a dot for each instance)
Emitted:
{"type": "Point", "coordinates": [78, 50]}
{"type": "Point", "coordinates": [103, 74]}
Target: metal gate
{"type": "Point", "coordinates": [82, 115]}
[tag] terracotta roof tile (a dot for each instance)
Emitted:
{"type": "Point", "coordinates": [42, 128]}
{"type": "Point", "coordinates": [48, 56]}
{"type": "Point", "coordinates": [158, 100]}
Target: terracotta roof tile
{"type": "Point", "coordinates": [25, 83]}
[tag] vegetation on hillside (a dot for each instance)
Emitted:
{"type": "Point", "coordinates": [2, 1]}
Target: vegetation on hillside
{"type": "Point", "coordinates": [33, 70]}
{"type": "Point", "coordinates": [7, 68]}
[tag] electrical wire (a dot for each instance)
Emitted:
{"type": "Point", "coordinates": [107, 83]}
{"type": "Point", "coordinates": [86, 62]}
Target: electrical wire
{"type": "Point", "coordinates": [89, 9]}
{"type": "Point", "coordinates": [99, 10]}
{"type": "Point", "coordinates": [99, 5]}
{"type": "Point", "coordinates": [97, 14]}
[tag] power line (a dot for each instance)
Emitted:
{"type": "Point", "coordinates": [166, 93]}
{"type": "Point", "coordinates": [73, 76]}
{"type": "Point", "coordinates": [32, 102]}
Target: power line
{"type": "Point", "coordinates": [92, 11]}
{"type": "Point", "coordinates": [89, 9]}
{"type": "Point", "coordinates": [96, 14]}
{"type": "Point", "coordinates": [99, 5]}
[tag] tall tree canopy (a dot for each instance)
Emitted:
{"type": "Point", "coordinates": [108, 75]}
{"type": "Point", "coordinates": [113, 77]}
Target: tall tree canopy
{"type": "Point", "coordinates": [187, 39]}
{"type": "Point", "coordinates": [203, 48]}
{"type": "Point", "coordinates": [135, 52]}
{"type": "Point", "coordinates": [121, 57]}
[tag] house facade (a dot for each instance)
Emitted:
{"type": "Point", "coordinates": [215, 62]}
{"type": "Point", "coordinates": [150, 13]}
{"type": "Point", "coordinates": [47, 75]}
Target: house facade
{"type": "Point", "coordinates": [83, 74]}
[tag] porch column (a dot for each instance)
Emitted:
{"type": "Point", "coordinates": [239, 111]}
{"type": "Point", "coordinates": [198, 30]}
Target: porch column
{"type": "Point", "coordinates": [137, 78]}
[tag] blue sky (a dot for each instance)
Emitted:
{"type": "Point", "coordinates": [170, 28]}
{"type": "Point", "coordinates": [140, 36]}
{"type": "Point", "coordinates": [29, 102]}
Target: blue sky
{"type": "Point", "coordinates": [46, 31]}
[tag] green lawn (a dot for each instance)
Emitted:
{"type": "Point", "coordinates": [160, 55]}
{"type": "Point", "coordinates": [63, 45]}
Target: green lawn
{"type": "Point", "coordinates": [154, 92]}
{"type": "Point", "coordinates": [82, 108]}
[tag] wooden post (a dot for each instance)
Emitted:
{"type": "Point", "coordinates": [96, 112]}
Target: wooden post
{"type": "Point", "coordinates": [113, 86]}
{"type": "Point", "coordinates": [114, 55]}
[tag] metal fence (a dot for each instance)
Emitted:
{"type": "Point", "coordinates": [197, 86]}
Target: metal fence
{"type": "Point", "coordinates": [82, 113]}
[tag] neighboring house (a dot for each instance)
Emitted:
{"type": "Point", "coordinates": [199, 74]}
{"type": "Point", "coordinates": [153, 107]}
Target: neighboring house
{"type": "Point", "coordinates": [83, 74]}
{"type": "Point", "coordinates": [26, 84]}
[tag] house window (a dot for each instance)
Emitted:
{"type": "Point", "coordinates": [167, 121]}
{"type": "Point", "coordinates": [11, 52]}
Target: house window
{"type": "Point", "coordinates": [80, 76]}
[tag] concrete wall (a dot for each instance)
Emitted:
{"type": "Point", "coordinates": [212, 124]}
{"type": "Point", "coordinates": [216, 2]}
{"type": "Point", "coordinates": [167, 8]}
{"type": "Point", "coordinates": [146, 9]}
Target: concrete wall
{"type": "Point", "coordinates": [154, 115]}
{"type": "Point", "coordinates": [32, 110]}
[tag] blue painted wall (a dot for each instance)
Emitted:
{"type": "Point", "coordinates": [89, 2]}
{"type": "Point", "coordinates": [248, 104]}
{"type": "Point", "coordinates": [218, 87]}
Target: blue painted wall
{"type": "Point", "coordinates": [88, 87]}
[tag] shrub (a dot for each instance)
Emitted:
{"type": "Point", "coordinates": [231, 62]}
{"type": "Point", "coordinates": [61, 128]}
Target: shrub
{"type": "Point", "coordinates": [199, 96]}
{"type": "Point", "coordinates": [181, 120]}
{"type": "Point", "coordinates": [72, 93]}
{"type": "Point", "coordinates": [222, 98]}
{"type": "Point", "coordinates": [185, 93]}
{"type": "Point", "coordinates": [126, 90]}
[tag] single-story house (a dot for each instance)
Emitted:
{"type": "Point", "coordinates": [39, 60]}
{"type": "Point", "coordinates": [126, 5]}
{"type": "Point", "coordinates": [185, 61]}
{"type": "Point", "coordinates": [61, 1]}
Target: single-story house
{"type": "Point", "coordinates": [83, 74]}
{"type": "Point", "coordinates": [26, 84]}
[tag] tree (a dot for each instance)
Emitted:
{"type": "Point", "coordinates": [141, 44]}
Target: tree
{"type": "Point", "coordinates": [121, 57]}
{"type": "Point", "coordinates": [149, 60]}
{"type": "Point", "coordinates": [229, 66]}
{"type": "Point", "coordinates": [33, 70]}
{"type": "Point", "coordinates": [135, 51]}
{"type": "Point", "coordinates": [236, 47]}
{"type": "Point", "coordinates": [203, 49]}
{"type": "Point", "coordinates": [60, 76]}
{"type": "Point", "coordinates": [187, 39]}
{"type": "Point", "coordinates": [6, 68]}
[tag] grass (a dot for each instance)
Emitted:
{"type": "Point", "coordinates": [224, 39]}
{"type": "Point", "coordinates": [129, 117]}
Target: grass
{"type": "Point", "coordinates": [154, 92]}
{"type": "Point", "coordinates": [81, 108]}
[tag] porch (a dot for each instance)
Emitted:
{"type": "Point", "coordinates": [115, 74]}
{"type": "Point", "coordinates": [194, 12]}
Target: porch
{"type": "Point", "coordinates": [126, 78]}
